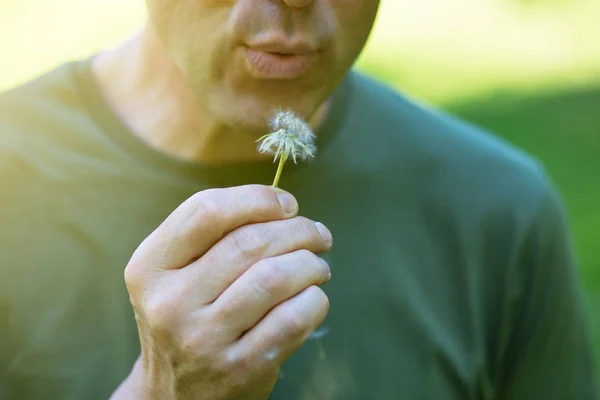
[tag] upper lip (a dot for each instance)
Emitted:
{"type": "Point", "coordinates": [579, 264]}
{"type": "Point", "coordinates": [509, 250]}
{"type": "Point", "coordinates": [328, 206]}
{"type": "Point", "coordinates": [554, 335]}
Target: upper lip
{"type": "Point", "coordinates": [284, 48]}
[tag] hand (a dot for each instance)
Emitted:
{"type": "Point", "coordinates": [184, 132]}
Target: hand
{"type": "Point", "coordinates": [224, 291]}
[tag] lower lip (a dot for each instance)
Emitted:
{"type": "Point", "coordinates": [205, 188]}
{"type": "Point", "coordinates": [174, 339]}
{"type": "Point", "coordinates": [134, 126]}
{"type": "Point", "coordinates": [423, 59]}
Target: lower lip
{"type": "Point", "coordinates": [278, 66]}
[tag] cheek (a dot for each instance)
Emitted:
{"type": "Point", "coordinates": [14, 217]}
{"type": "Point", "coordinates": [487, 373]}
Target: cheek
{"type": "Point", "coordinates": [193, 34]}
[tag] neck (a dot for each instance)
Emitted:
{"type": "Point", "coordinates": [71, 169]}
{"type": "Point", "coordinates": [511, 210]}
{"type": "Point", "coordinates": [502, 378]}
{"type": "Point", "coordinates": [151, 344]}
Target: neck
{"type": "Point", "coordinates": [148, 93]}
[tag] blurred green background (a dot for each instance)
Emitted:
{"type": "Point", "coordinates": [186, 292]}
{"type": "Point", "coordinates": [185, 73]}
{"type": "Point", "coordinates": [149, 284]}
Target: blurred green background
{"type": "Point", "coordinates": [529, 70]}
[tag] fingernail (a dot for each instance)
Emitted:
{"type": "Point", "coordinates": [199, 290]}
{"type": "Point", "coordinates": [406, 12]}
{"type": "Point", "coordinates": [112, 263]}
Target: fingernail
{"type": "Point", "coordinates": [288, 202]}
{"type": "Point", "coordinates": [325, 234]}
{"type": "Point", "coordinates": [326, 264]}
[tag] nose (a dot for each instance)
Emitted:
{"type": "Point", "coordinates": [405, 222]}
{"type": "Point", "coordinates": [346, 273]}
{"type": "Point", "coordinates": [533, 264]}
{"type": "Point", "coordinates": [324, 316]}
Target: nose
{"type": "Point", "coordinates": [298, 3]}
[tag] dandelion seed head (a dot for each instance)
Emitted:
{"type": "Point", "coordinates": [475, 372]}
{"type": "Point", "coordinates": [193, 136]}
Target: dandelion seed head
{"type": "Point", "coordinates": [291, 137]}
{"type": "Point", "coordinates": [288, 121]}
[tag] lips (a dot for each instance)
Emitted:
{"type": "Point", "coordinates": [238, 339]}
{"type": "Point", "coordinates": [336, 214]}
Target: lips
{"type": "Point", "coordinates": [280, 60]}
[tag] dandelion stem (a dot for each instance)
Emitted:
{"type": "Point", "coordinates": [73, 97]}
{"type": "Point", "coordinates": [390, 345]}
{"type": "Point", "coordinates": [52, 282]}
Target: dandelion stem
{"type": "Point", "coordinates": [282, 160]}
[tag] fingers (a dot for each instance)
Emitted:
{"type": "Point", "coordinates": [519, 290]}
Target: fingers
{"type": "Point", "coordinates": [265, 285]}
{"type": "Point", "coordinates": [281, 332]}
{"type": "Point", "coordinates": [227, 260]}
{"type": "Point", "coordinates": [203, 219]}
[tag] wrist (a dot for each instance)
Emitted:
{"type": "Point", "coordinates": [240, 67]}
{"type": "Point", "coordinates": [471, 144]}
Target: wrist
{"type": "Point", "coordinates": [132, 388]}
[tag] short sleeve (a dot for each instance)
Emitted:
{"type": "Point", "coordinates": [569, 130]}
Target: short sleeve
{"type": "Point", "coordinates": [550, 354]}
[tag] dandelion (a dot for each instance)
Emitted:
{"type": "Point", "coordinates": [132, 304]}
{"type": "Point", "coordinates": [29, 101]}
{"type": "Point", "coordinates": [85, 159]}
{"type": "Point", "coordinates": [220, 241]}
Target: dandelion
{"type": "Point", "coordinates": [291, 137]}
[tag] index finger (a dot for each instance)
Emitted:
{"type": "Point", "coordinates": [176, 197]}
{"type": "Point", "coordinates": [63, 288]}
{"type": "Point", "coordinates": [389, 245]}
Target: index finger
{"type": "Point", "coordinates": [206, 217]}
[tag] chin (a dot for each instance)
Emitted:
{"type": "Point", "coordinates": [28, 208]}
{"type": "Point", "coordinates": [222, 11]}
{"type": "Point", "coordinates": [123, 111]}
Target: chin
{"type": "Point", "coordinates": [254, 113]}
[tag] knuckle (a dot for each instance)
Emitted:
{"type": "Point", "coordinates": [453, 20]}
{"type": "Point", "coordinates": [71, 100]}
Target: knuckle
{"type": "Point", "coordinates": [316, 265]}
{"type": "Point", "coordinates": [310, 258]}
{"type": "Point", "coordinates": [313, 264]}
{"type": "Point", "coordinates": [132, 278]}
{"type": "Point", "coordinates": [222, 313]}
{"type": "Point", "coordinates": [237, 361]}
{"type": "Point", "coordinates": [190, 346]}
{"type": "Point", "coordinates": [204, 206]}
{"type": "Point", "coordinates": [293, 323]}
{"type": "Point", "coordinates": [194, 345]}
{"type": "Point", "coordinates": [159, 315]}
{"type": "Point", "coordinates": [248, 243]}
{"type": "Point", "coordinates": [238, 367]}
{"type": "Point", "coordinates": [271, 276]}
{"type": "Point", "coordinates": [134, 270]}
{"type": "Point", "coordinates": [308, 228]}
{"type": "Point", "coordinates": [306, 256]}
{"type": "Point", "coordinates": [263, 198]}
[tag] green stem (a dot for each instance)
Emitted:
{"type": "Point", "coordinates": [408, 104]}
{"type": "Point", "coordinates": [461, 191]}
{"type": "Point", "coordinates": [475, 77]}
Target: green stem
{"type": "Point", "coordinates": [279, 169]}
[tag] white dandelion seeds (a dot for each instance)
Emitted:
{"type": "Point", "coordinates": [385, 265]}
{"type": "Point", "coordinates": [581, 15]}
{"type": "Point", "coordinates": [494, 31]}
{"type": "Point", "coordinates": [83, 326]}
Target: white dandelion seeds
{"type": "Point", "coordinates": [291, 137]}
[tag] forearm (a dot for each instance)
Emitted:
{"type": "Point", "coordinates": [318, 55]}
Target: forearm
{"type": "Point", "coordinates": [132, 387]}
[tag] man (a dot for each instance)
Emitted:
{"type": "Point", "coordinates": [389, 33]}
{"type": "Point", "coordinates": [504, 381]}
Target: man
{"type": "Point", "coordinates": [145, 256]}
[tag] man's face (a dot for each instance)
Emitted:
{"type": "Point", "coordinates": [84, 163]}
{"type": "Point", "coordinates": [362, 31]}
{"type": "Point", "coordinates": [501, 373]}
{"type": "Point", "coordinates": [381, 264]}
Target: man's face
{"type": "Point", "coordinates": [246, 58]}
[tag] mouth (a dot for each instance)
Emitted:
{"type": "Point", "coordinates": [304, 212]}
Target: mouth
{"type": "Point", "coordinates": [277, 60]}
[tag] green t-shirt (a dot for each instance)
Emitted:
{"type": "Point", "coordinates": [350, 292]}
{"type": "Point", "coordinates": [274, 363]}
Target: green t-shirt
{"type": "Point", "coordinates": [453, 275]}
